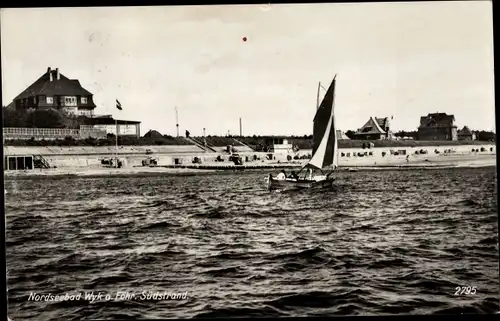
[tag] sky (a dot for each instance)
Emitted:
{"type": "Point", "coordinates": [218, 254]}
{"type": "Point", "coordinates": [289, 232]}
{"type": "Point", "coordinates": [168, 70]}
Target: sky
{"type": "Point", "coordinates": [403, 60]}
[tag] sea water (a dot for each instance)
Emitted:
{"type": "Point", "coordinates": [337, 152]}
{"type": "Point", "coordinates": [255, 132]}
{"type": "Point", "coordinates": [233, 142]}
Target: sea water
{"type": "Point", "coordinates": [380, 242]}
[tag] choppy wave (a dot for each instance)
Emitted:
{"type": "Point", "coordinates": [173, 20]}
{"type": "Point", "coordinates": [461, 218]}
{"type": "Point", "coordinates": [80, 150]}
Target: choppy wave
{"type": "Point", "coordinates": [380, 243]}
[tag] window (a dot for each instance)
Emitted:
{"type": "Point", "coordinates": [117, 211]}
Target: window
{"type": "Point", "coordinates": [84, 100]}
{"type": "Point", "coordinates": [69, 101]}
{"type": "Point", "coordinates": [69, 110]}
{"type": "Point", "coordinates": [50, 100]}
{"type": "Point", "coordinates": [85, 112]}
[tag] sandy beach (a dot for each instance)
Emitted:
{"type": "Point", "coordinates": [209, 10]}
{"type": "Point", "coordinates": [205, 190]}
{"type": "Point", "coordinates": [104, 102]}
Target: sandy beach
{"type": "Point", "coordinates": [103, 171]}
{"type": "Point", "coordinates": [439, 162]}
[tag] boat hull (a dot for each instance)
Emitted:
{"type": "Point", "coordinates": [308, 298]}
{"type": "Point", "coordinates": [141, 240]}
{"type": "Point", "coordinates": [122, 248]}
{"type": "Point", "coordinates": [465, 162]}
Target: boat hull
{"type": "Point", "coordinates": [288, 184]}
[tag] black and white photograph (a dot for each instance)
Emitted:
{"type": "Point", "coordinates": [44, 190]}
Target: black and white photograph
{"type": "Point", "coordinates": [266, 160]}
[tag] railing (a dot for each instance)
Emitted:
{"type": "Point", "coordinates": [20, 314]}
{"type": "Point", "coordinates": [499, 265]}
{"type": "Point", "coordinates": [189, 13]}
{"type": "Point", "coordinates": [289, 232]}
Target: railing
{"type": "Point", "coordinates": [200, 144]}
{"type": "Point", "coordinates": [51, 133]}
{"type": "Point", "coordinates": [40, 162]}
{"type": "Point", "coordinates": [39, 133]}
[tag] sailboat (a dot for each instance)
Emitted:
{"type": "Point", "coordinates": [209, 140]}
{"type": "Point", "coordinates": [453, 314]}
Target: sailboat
{"type": "Point", "coordinates": [325, 151]}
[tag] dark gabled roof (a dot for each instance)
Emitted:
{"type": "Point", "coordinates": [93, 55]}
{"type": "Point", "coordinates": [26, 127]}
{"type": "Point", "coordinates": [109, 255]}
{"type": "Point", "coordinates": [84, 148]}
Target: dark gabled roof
{"type": "Point", "coordinates": [372, 126]}
{"type": "Point", "coordinates": [382, 122]}
{"type": "Point", "coordinates": [465, 131]}
{"type": "Point", "coordinates": [441, 119]}
{"type": "Point", "coordinates": [12, 105]}
{"type": "Point", "coordinates": [61, 86]}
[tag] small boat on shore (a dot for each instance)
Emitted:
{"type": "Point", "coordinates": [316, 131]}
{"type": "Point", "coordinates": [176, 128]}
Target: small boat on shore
{"type": "Point", "coordinates": [325, 152]}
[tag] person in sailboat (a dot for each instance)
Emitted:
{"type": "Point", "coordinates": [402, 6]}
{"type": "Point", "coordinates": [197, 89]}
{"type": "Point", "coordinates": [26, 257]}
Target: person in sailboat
{"type": "Point", "coordinates": [309, 174]}
{"type": "Point", "coordinates": [281, 176]}
{"type": "Point", "coordinates": [324, 152]}
{"type": "Point", "coordinates": [293, 175]}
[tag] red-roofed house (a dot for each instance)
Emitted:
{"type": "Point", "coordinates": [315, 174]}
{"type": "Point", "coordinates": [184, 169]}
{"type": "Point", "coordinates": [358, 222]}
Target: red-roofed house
{"type": "Point", "coordinates": [437, 126]}
{"type": "Point", "coordinates": [54, 90]}
{"type": "Point", "coordinates": [374, 129]}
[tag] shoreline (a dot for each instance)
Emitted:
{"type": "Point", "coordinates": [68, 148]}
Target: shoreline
{"type": "Point", "coordinates": [187, 170]}
{"type": "Point", "coordinates": [84, 158]}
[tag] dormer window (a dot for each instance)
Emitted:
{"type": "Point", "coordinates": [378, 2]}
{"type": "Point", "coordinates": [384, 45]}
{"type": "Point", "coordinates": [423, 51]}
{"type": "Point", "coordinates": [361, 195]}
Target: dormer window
{"type": "Point", "coordinates": [50, 100]}
{"type": "Point", "coordinates": [84, 100]}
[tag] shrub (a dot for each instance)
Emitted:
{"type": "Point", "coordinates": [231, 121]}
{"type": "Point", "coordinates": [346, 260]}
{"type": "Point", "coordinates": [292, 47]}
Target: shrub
{"type": "Point", "coordinates": [14, 118]}
{"type": "Point", "coordinates": [46, 118]}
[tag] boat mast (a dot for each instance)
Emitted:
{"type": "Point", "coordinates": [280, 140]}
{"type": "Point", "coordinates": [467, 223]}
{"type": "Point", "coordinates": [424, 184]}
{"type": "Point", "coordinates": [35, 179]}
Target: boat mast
{"type": "Point", "coordinates": [335, 131]}
{"type": "Point", "coordinates": [317, 96]}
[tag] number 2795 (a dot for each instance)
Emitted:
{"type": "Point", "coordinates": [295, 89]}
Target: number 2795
{"type": "Point", "coordinates": [465, 290]}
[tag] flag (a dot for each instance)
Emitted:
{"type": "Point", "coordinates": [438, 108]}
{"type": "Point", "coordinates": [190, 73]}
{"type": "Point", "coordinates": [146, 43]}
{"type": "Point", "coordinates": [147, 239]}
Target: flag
{"type": "Point", "coordinates": [118, 105]}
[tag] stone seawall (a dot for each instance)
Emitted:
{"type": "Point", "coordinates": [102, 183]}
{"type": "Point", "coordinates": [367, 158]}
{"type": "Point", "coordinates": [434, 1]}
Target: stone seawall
{"type": "Point", "coordinates": [90, 157]}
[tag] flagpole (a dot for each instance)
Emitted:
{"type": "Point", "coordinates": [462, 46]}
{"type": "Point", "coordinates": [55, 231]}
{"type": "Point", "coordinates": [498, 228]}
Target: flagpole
{"type": "Point", "coordinates": [177, 120]}
{"type": "Point", "coordinates": [119, 107]}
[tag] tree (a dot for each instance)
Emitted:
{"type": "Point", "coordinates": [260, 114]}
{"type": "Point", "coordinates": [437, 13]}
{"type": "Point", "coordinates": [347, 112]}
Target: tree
{"type": "Point", "coordinates": [14, 118]}
{"type": "Point", "coordinates": [350, 134]}
{"type": "Point", "coordinates": [485, 135]}
{"type": "Point", "coordinates": [404, 133]}
{"type": "Point", "coordinates": [46, 118]}
{"type": "Point", "coordinates": [71, 121]}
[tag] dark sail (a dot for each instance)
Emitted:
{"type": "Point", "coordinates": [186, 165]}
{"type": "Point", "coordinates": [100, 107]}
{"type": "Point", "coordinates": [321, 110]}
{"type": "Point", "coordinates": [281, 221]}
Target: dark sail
{"type": "Point", "coordinates": [322, 116]}
{"type": "Point", "coordinates": [325, 133]}
{"type": "Point", "coordinates": [331, 147]}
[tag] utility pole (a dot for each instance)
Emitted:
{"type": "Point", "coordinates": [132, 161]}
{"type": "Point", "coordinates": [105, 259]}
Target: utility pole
{"type": "Point", "coordinates": [177, 120]}
{"type": "Point", "coordinates": [204, 138]}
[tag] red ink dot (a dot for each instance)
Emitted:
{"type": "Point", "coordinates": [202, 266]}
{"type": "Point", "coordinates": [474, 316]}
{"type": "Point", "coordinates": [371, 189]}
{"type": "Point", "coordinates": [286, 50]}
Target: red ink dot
{"type": "Point", "coordinates": [244, 39]}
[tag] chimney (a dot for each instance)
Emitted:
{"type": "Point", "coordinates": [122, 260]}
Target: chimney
{"type": "Point", "coordinates": [50, 74]}
{"type": "Point", "coordinates": [58, 74]}
{"type": "Point", "coordinates": [48, 70]}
